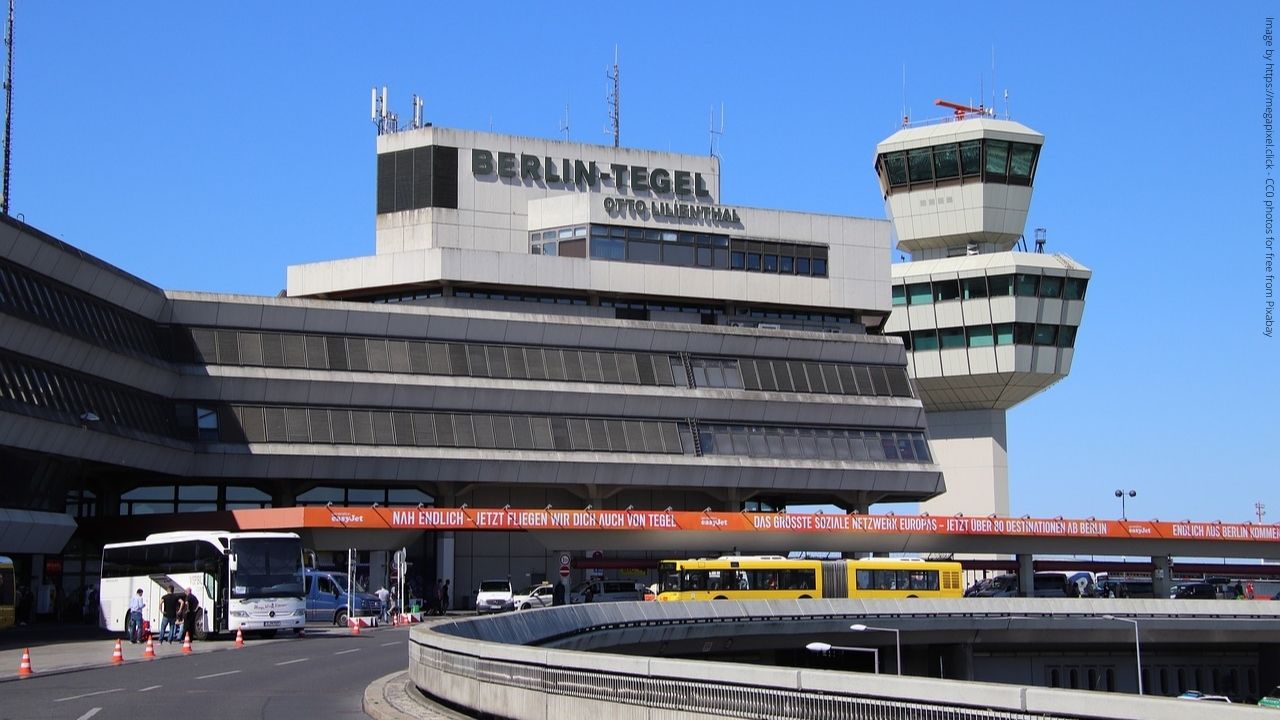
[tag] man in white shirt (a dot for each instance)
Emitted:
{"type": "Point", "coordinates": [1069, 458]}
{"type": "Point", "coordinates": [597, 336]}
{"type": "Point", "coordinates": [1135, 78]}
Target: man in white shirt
{"type": "Point", "coordinates": [383, 596]}
{"type": "Point", "coordinates": [134, 626]}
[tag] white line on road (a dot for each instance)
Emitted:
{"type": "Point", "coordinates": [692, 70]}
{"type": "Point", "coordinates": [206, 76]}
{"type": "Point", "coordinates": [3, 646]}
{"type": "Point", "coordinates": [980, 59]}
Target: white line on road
{"type": "Point", "coordinates": [100, 692]}
{"type": "Point", "coordinates": [344, 652]}
{"type": "Point", "coordinates": [290, 662]}
{"type": "Point", "coordinates": [390, 643]}
{"type": "Point", "coordinates": [206, 677]}
{"type": "Point", "coordinates": [149, 689]}
{"type": "Point", "coordinates": [89, 714]}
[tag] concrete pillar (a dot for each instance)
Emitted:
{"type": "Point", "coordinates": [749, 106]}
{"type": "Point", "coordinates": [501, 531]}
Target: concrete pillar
{"type": "Point", "coordinates": [444, 560]}
{"type": "Point", "coordinates": [1161, 576]}
{"type": "Point", "coordinates": [1026, 576]}
{"type": "Point", "coordinates": [970, 446]}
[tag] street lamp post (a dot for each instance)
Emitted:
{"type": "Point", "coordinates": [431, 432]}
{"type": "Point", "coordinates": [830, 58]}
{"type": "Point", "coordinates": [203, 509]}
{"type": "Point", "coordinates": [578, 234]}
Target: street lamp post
{"type": "Point", "coordinates": [1137, 645]}
{"type": "Point", "coordinates": [1121, 494]}
{"type": "Point", "coordinates": [822, 648]}
{"type": "Point", "coordinates": [897, 639]}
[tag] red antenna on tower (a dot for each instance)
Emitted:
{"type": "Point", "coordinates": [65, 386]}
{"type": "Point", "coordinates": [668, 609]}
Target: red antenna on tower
{"type": "Point", "coordinates": [961, 110]}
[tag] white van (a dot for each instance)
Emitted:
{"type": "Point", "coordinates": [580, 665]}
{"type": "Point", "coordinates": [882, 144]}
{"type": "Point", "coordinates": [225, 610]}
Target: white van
{"type": "Point", "coordinates": [607, 591]}
{"type": "Point", "coordinates": [494, 596]}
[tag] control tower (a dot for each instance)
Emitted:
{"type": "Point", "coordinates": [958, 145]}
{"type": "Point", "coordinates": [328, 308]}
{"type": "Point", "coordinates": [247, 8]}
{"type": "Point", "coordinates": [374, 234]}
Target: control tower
{"type": "Point", "coordinates": [985, 326]}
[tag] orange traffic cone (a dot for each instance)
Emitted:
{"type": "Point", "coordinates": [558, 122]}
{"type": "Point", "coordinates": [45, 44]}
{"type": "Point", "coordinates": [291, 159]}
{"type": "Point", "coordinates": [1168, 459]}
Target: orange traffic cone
{"type": "Point", "coordinates": [150, 652]}
{"type": "Point", "coordinates": [117, 655]}
{"type": "Point", "coordinates": [24, 667]}
{"type": "Point", "coordinates": [239, 638]}
{"type": "Point", "coordinates": [186, 642]}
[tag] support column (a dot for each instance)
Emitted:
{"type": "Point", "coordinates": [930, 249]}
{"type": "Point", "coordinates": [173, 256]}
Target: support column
{"type": "Point", "coordinates": [1026, 576]}
{"type": "Point", "coordinates": [1161, 576]}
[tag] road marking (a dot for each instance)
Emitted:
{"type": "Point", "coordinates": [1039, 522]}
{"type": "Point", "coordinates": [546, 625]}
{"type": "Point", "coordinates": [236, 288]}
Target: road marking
{"type": "Point", "coordinates": [148, 689]}
{"type": "Point", "coordinates": [391, 643]}
{"type": "Point", "coordinates": [206, 677]}
{"type": "Point", "coordinates": [89, 714]}
{"type": "Point", "coordinates": [344, 652]}
{"type": "Point", "coordinates": [100, 692]}
{"type": "Point", "coordinates": [290, 662]}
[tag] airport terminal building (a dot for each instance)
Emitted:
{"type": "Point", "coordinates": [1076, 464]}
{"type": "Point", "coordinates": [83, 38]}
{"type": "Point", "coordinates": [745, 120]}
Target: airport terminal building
{"type": "Point", "coordinates": [541, 323]}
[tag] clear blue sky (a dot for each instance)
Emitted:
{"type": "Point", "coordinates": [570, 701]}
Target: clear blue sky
{"type": "Point", "coordinates": [207, 146]}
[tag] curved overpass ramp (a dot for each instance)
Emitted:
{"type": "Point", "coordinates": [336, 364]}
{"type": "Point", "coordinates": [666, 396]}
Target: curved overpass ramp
{"type": "Point", "coordinates": [655, 660]}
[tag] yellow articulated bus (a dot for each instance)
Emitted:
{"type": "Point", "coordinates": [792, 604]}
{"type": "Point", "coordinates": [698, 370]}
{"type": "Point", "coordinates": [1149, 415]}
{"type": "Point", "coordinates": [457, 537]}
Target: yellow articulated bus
{"type": "Point", "coordinates": [772, 577]}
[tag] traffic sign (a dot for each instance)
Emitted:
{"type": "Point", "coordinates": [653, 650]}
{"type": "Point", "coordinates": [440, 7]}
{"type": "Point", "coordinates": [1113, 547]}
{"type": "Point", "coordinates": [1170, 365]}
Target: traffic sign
{"type": "Point", "coordinates": [564, 571]}
{"type": "Point", "coordinates": [564, 558]}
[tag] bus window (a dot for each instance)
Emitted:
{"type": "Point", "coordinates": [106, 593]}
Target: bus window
{"type": "Point", "coordinates": [864, 580]}
{"type": "Point", "coordinates": [694, 580]}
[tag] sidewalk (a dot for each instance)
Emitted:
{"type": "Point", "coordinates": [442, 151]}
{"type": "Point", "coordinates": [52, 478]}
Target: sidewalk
{"type": "Point", "coordinates": [63, 648]}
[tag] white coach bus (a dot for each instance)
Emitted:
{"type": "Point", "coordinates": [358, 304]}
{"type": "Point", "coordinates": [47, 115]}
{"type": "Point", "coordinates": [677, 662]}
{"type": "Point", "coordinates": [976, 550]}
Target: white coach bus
{"type": "Point", "coordinates": [249, 581]}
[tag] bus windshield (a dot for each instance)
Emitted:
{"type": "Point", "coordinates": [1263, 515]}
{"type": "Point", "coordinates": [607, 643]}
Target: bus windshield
{"type": "Point", "coordinates": [267, 567]}
{"type": "Point", "coordinates": [670, 577]}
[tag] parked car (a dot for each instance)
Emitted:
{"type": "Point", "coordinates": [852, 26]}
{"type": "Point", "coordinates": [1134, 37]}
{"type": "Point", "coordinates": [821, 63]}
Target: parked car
{"type": "Point", "coordinates": [535, 596]}
{"type": "Point", "coordinates": [1197, 695]}
{"type": "Point", "coordinates": [1193, 591]}
{"type": "Point", "coordinates": [607, 591]}
{"type": "Point", "coordinates": [327, 599]}
{"type": "Point", "coordinates": [494, 596]}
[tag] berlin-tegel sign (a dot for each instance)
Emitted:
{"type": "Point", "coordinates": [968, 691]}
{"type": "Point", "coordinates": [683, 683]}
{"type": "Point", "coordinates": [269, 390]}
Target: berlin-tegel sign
{"type": "Point", "coordinates": [508, 519]}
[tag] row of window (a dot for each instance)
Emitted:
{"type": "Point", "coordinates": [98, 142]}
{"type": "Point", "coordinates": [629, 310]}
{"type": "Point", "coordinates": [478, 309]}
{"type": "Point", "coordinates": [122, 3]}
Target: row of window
{"type": "Point", "coordinates": [681, 249]}
{"type": "Point", "coordinates": [986, 160]}
{"type": "Point", "coordinates": [256, 424]}
{"type": "Point", "coordinates": [26, 383]}
{"type": "Point", "coordinates": [1018, 284]}
{"type": "Point", "coordinates": [813, 443]}
{"type": "Point", "coordinates": [50, 303]}
{"type": "Point", "coordinates": [319, 352]}
{"type": "Point", "coordinates": [897, 579]}
{"type": "Point", "coordinates": [1063, 336]}
{"type": "Point", "coordinates": [158, 499]}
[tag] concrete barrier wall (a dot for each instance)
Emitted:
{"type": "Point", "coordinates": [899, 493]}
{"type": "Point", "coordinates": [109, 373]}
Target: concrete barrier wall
{"type": "Point", "coordinates": [491, 665]}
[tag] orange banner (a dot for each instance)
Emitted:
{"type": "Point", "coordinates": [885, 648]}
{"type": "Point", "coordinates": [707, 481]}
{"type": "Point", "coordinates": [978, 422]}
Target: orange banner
{"type": "Point", "coordinates": [429, 518]}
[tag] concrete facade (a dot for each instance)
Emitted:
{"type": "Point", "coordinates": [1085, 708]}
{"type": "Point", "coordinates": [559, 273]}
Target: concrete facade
{"type": "Point", "coordinates": [466, 363]}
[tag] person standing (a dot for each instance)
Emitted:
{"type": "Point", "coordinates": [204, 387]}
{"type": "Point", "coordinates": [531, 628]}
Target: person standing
{"type": "Point", "coordinates": [383, 596]}
{"type": "Point", "coordinates": [444, 598]}
{"type": "Point", "coordinates": [169, 625]}
{"type": "Point", "coordinates": [192, 612]}
{"type": "Point", "coordinates": [435, 598]}
{"type": "Point", "coordinates": [134, 627]}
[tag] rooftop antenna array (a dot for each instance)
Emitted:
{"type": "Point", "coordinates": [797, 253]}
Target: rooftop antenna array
{"type": "Point", "coordinates": [386, 121]}
{"type": "Point", "coordinates": [713, 133]}
{"type": "Point", "coordinates": [614, 98]}
{"type": "Point", "coordinates": [8, 107]}
{"type": "Point", "coordinates": [564, 124]}
{"type": "Point", "coordinates": [417, 112]}
{"type": "Point", "coordinates": [1042, 236]}
{"type": "Point", "coordinates": [1260, 510]}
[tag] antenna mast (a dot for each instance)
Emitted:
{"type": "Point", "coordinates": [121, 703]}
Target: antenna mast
{"type": "Point", "coordinates": [8, 108]}
{"type": "Point", "coordinates": [564, 124]}
{"type": "Point", "coordinates": [1260, 510]}
{"type": "Point", "coordinates": [713, 133]}
{"type": "Point", "coordinates": [614, 98]}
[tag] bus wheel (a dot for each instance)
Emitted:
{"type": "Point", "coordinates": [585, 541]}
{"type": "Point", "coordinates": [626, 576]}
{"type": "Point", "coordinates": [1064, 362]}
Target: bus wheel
{"type": "Point", "coordinates": [913, 597]}
{"type": "Point", "coordinates": [720, 597]}
{"type": "Point", "coordinates": [340, 619]}
{"type": "Point", "coordinates": [200, 634]}
{"type": "Point", "coordinates": [805, 597]}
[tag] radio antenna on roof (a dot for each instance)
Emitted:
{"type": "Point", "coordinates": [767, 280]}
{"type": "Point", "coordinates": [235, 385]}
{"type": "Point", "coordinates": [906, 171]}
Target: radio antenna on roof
{"type": "Point", "coordinates": [713, 133]}
{"type": "Point", "coordinates": [614, 98]}
{"type": "Point", "coordinates": [8, 107]}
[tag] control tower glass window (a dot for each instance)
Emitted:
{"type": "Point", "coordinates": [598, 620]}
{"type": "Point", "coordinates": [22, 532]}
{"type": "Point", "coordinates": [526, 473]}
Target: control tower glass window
{"type": "Point", "coordinates": [997, 159]}
{"type": "Point", "coordinates": [1022, 163]}
{"type": "Point", "coordinates": [973, 288]}
{"type": "Point", "coordinates": [1074, 288]}
{"type": "Point", "coordinates": [895, 165]}
{"type": "Point", "coordinates": [971, 157]}
{"type": "Point", "coordinates": [921, 164]}
{"type": "Point", "coordinates": [946, 163]}
{"type": "Point", "coordinates": [1051, 287]}
{"type": "Point", "coordinates": [1028, 285]}
{"type": "Point", "coordinates": [1001, 285]}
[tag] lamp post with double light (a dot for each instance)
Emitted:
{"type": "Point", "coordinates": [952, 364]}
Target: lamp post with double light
{"type": "Point", "coordinates": [1122, 494]}
{"type": "Point", "coordinates": [897, 639]}
{"type": "Point", "coordinates": [824, 648]}
{"type": "Point", "coordinates": [1137, 645]}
